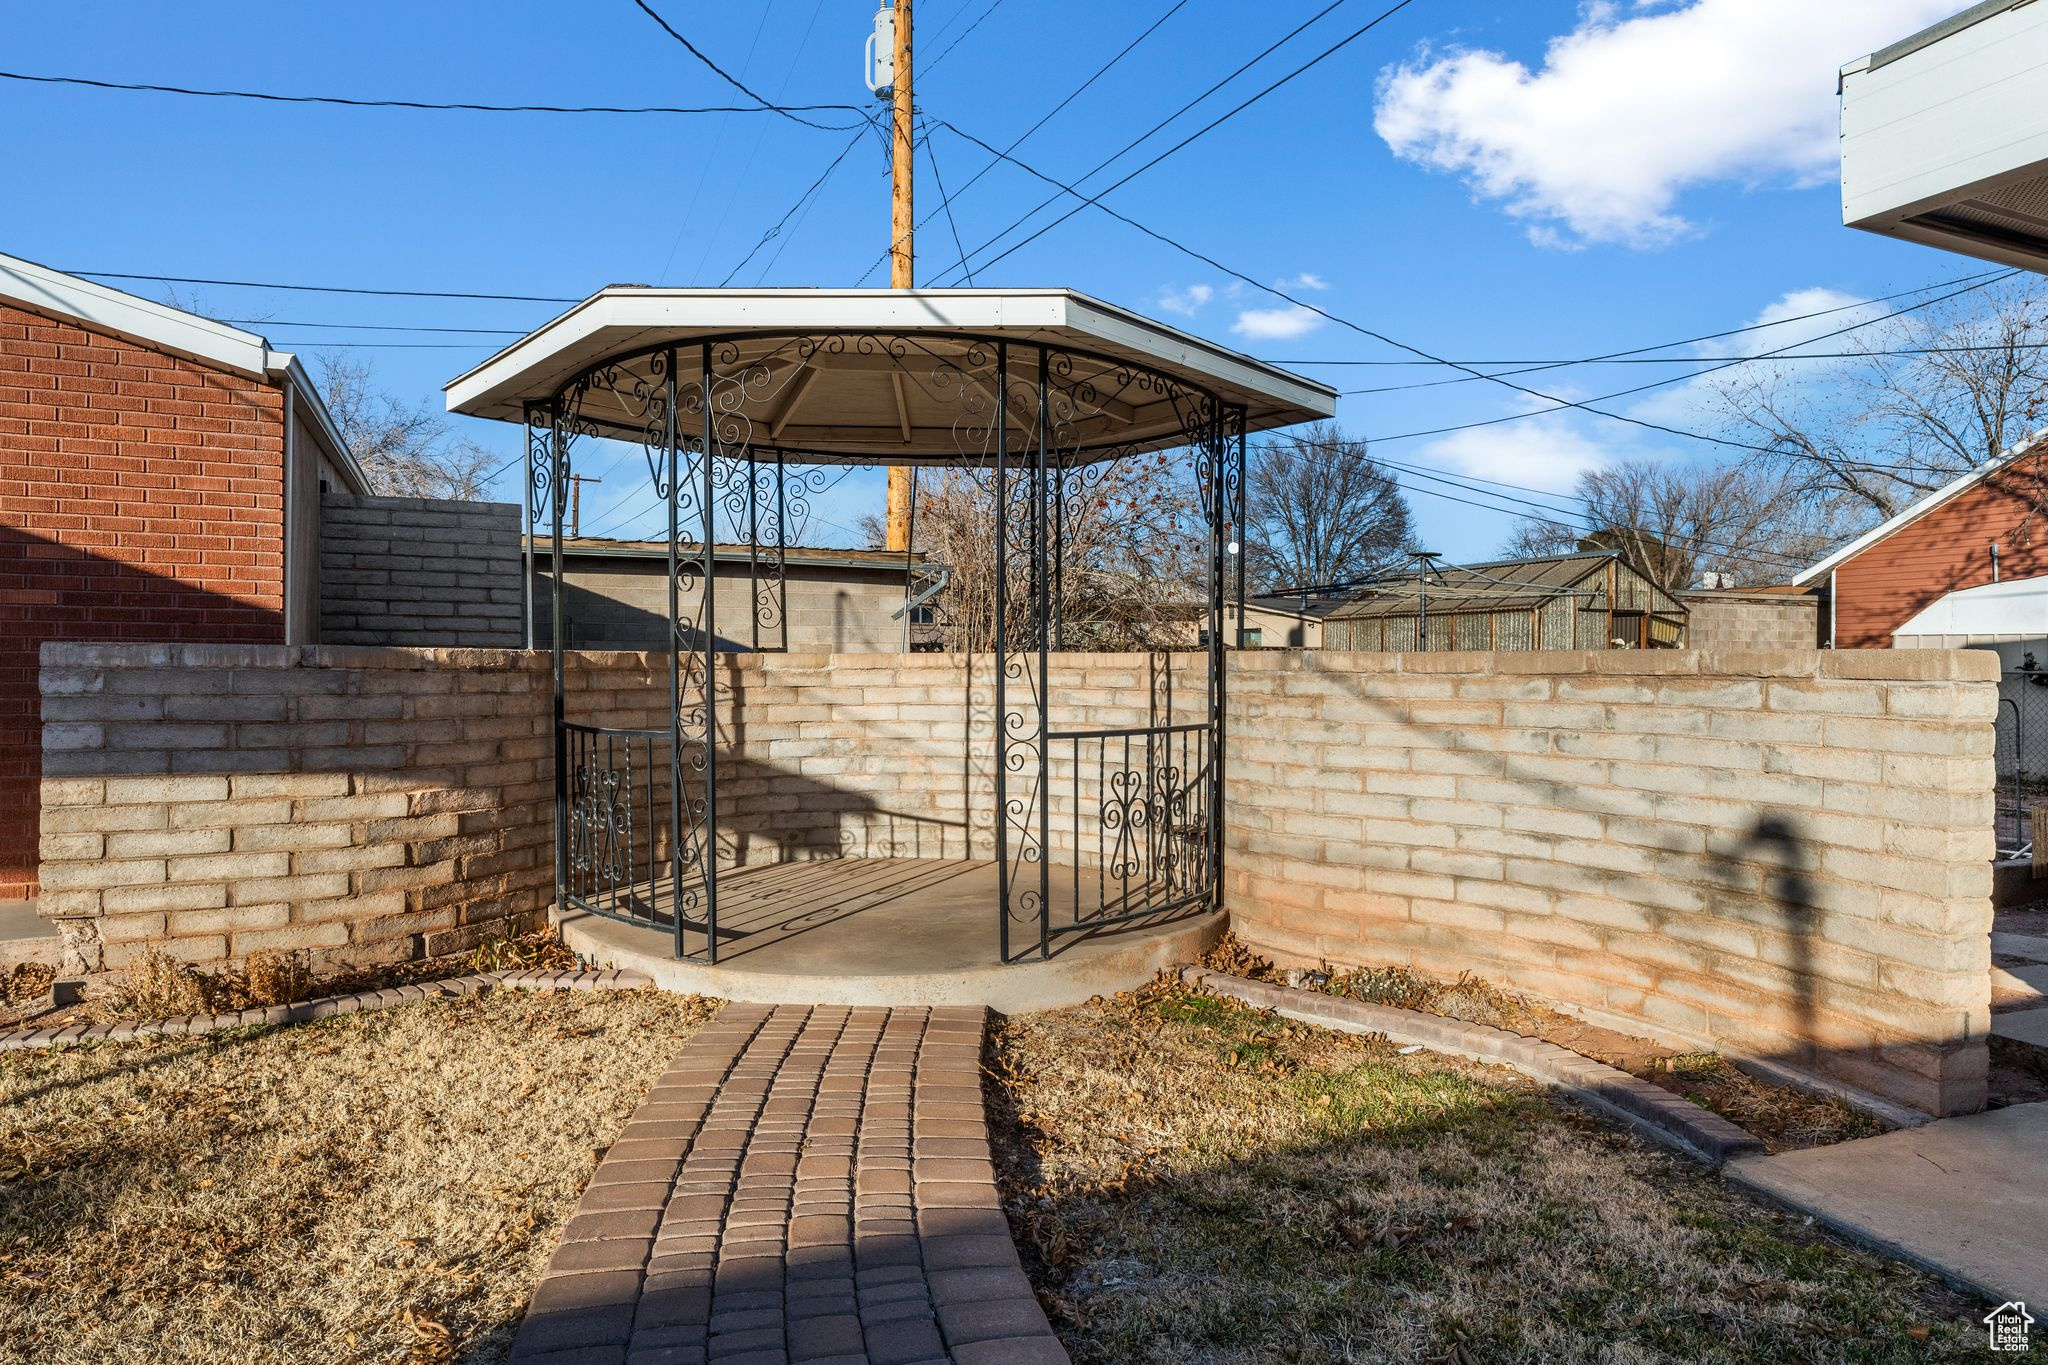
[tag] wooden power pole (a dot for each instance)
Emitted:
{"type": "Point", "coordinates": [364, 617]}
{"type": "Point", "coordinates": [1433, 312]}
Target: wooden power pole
{"type": "Point", "coordinates": [902, 275]}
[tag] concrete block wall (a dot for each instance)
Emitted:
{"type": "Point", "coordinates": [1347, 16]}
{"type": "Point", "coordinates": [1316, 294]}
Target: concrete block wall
{"type": "Point", "coordinates": [419, 572]}
{"type": "Point", "coordinates": [1720, 621]}
{"type": "Point", "coordinates": [361, 804]}
{"type": "Point", "coordinates": [1786, 855]}
{"type": "Point", "coordinates": [875, 755]}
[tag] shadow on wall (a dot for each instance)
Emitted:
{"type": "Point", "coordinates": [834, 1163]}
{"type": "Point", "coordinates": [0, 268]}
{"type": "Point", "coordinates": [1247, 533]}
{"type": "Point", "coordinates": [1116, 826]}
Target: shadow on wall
{"type": "Point", "coordinates": [1596, 899]}
{"type": "Point", "coordinates": [53, 591]}
{"type": "Point", "coordinates": [600, 622]}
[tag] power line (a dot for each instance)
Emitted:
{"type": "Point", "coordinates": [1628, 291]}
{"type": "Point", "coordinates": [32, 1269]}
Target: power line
{"type": "Point", "coordinates": [946, 200]}
{"type": "Point", "coordinates": [351, 102]}
{"type": "Point", "coordinates": [1675, 379]}
{"type": "Point", "coordinates": [787, 111]}
{"type": "Point", "coordinates": [1875, 353]}
{"type": "Point", "coordinates": [931, 155]}
{"type": "Point", "coordinates": [323, 288]}
{"type": "Point", "coordinates": [1112, 157]}
{"type": "Point", "coordinates": [801, 200]}
{"type": "Point", "coordinates": [1212, 262]}
{"type": "Point", "coordinates": [963, 34]}
{"type": "Point", "coordinates": [371, 327]}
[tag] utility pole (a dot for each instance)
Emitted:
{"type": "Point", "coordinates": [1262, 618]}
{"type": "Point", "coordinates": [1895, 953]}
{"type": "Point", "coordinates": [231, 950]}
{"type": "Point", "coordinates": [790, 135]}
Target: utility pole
{"type": "Point", "coordinates": [902, 275]}
{"type": "Point", "coordinates": [576, 482]}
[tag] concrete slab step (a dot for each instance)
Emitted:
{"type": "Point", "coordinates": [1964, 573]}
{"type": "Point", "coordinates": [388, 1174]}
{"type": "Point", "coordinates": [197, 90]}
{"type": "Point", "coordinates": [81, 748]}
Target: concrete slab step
{"type": "Point", "coordinates": [2028, 981]}
{"type": "Point", "coordinates": [1964, 1196]}
{"type": "Point", "coordinates": [2022, 1026]}
{"type": "Point", "coordinates": [2030, 947]}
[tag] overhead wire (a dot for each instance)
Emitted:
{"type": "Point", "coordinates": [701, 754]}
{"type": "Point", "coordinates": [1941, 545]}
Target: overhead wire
{"type": "Point", "coordinates": [736, 83]}
{"type": "Point", "coordinates": [458, 106]}
{"type": "Point", "coordinates": [946, 200]}
{"type": "Point", "coordinates": [1247, 65]}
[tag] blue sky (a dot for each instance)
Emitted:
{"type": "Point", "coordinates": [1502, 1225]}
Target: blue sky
{"type": "Point", "coordinates": [1479, 178]}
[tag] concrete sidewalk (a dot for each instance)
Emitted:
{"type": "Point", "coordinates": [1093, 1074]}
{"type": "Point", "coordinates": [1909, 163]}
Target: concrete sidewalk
{"type": "Point", "coordinates": [1965, 1197]}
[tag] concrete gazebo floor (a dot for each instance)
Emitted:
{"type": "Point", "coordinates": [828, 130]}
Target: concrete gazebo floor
{"type": "Point", "coordinates": [888, 931]}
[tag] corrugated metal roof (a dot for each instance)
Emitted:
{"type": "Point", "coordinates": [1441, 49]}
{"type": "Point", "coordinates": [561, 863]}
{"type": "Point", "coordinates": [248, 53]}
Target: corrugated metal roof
{"type": "Point", "coordinates": [1502, 585]}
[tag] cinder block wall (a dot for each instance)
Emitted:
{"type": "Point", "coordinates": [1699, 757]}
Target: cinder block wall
{"type": "Point", "coordinates": [1721, 621]}
{"type": "Point", "coordinates": [1783, 854]}
{"type": "Point", "coordinates": [419, 572]}
{"type": "Point", "coordinates": [874, 755]}
{"type": "Point", "coordinates": [363, 804]}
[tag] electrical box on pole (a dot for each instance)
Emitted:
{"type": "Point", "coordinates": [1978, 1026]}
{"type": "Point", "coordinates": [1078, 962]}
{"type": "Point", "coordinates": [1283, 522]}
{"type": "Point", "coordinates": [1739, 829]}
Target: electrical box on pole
{"type": "Point", "coordinates": [880, 64]}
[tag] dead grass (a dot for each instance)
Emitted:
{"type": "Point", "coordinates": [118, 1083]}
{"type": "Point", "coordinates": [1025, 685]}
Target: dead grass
{"type": "Point", "coordinates": [1194, 1180]}
{"type": "Point", "coordinates": [378, 1187]}
{"type": "Point", "coordinates": [1783, 1117]}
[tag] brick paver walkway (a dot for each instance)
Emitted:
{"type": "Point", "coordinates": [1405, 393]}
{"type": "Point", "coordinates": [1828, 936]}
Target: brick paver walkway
{"type": "Point", "coordinates": [803, 1184]}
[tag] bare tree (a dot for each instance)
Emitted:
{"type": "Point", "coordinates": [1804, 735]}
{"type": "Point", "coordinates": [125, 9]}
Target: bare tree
{"type": "Point", "coordinates": [405, 451]}
{"type": "Point", "coordinates": [1678, 522]}
{"type": "Point", "coordinates": [1320, 510]}
{"type": "Point", "coordinates": [1862, 441]}
{"type": "Point", "coordinates": [1130, 576]}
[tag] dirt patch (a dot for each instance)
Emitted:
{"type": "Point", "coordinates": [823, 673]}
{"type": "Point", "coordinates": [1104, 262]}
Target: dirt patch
{"type": "Point", "coordinates": [2030, 919]}
{"type": "Point", "coordinates": [161, 987]}
{"type": "Point", "coordinates": [1783, 1117]}
{"type": "Point", "coordinates": [1195, 1180]}
{"type": "Point", "coordinates": [377, 1187]}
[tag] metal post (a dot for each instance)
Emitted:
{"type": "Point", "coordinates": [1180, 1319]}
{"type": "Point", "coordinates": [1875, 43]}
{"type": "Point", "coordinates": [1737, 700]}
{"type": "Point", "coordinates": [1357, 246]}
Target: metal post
{"type": "Point", "coordinates": [710, 633]}
{"type": "Point", "coordinates": [558, 459]}
{"type": "Point", "coordinates": [1212, 689]}
{"type": "Point", "coordinates": [754, 544]}
{"type": "Point", "coordinates": [1059, 557]}
{"type": "Point", "coordinates": [526, 532]}
{"type": "Point", "coordinates": [1002, 603]}
{"type": "Point", "coordinates": [675, 674]}
{"type": "Point", "coordinates": [1040, 604]}
{"type": "Point", "coordinates": [1234, 455]}
{"type": "Point", "coordinates": [781, 552]}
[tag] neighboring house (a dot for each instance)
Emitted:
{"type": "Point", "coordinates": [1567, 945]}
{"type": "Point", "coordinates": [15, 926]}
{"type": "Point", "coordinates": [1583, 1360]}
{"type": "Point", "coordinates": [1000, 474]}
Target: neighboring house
{"type": "Point", "coordinates": [1274, 621]}
{"type": "Point", "coordinates": [1595, 600]}
{"type": "Point", "coordinates": [1781, 616]}
{"type": "Point", "coordinates": [160, 481]}
{"type": "Point", "coordinates": [832, 601]}
{"type": "Point", "coordinates": [1985, 527]}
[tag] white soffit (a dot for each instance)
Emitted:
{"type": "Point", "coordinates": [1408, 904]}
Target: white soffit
{"type": "Point", "coordinates": [1945, 136]}
{"type": "Point", "coordinates": [871, 401]}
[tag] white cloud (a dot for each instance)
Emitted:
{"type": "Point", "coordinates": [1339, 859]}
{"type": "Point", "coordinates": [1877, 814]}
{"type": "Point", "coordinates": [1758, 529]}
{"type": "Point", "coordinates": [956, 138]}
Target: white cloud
{"type": "Point", "coordinates": [1627, 112]}
{"type": "Point", "coordinates": [1305, 280]}
{"type": "Point", "coordinates": [1537, 452]}
{"type": "Point", "coordinates": [1186, 302]}
{"type": "Point", "coordinates": [1276, 324]}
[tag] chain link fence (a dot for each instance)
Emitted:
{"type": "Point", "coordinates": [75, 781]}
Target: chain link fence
{"type": "Point", "coordinates": [2022, 757]}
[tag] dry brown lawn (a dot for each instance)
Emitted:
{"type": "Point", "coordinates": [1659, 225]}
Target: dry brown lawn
{"type": "Point", "coordinates": [379, 1187]}
{"type": "Point", "coordinates": [1193, 1180]}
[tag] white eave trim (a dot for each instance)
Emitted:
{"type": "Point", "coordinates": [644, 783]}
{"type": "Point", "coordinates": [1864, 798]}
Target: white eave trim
{"type": "Point", "coordinates": [1961, 484]}
{"type": "Point", "coordinates": [650, 311]}
{"type": "Point", "coordinates": [39, 289]}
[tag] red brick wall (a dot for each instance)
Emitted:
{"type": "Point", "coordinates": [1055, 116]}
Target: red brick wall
{"type": "Point", "coordinates": [141, 499]}
{"type": "Point", "coordinates": [1881, 589]}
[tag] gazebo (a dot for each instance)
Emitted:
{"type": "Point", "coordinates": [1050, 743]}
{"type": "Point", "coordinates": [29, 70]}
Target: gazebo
{"type": "Point", "coordinates": [1092, 799]}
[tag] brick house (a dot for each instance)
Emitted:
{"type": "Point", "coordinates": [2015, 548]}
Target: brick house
{"type": "Point", "coordinates": [160, 481]}
{"type": "Point", "coordinates": [1984, 527]}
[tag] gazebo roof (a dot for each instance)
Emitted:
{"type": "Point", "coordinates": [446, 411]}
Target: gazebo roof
{"type": "Point", "coordinates": [882, 375]}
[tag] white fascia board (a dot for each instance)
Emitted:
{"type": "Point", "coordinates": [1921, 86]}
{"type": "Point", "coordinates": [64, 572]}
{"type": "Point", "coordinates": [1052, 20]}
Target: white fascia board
{"type": "Point", "coordinates": [621, 317]}
{"type": "Point", "coordinates": [1960, 112]}
{"type": "Point", "coordinates": [52, 292]}
{"type": "Point", "coordinates": [1962, 483]}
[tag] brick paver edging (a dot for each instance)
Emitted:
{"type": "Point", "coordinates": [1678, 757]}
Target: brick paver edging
{"type": "Point", "coordinates": [327, 1006]}
{"type": "Point", "coordinates": [804, 1184]}
{"type": "Point", "coordinates": [1670, 1119]}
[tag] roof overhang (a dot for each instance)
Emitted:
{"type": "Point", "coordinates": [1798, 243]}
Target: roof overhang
{"type": "Point", "coordinates": [52, 293]}
{"type": "Point", "coordinates": [884, 374]}
{"type": "Point", "coordinates": [1945, 136]}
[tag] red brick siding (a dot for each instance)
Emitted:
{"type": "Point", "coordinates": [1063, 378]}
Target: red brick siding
{"type": "Point", "coordinates": [1882, 588]}
{"type": "Point", "coordinates": [141, 499]}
